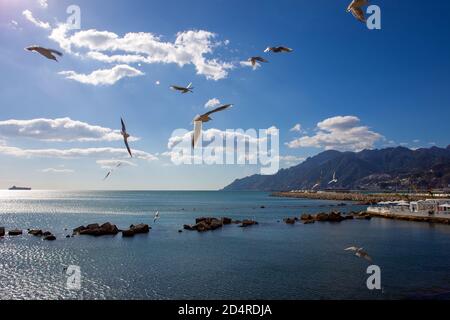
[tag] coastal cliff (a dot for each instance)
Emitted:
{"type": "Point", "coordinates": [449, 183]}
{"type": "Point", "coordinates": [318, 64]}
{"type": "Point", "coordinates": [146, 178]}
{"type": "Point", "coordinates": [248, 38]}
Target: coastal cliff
{"type": "Point", "coordinates": [386, 169]}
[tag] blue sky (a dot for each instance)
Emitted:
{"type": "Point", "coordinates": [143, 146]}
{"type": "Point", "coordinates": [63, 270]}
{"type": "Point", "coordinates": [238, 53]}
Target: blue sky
{"type": "Point", "coordinates": [348, 87]}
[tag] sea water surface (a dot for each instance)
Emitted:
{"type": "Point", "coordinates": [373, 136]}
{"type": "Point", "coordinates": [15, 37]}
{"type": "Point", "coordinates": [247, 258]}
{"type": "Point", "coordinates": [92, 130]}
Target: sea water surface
{"type": "Point", "coordinates": [269, 261]}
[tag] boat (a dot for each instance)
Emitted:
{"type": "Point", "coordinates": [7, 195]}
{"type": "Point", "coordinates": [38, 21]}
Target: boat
{"type": "Point", "coordinates": [19, 188]}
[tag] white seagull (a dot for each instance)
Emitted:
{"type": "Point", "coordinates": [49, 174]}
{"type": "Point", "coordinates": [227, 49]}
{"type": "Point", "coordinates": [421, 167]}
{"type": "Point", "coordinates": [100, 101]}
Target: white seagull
{"type": "Point", "coordinates": [156, 216]}
{"type": "Point", "coordinates": [199, 119]}
{"type": "Point", "coordinates": [183, 90]}
{"type": "Point", "coordinates": [355, 8]}
{"type": "Point", "coordinates": [48, 53]}
{"type": "Point", "coordinates": [125, 137]}
{"type": "Point", "coordinates": [334, 179]}
{"type": "Point", "coordinates": [359, 252]}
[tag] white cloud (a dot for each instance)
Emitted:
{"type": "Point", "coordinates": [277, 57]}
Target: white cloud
{"type": "Point", "coordinates": [43, 3]}
{"type": "Point", "coordinates": [214, 102]}
{"type": "Point", "coordinates": [62, 129]}
{"type": "Point", "coordinates": [38, 23]}
{"type": "Point", "coordinates": [189, 48]}
{"type": "Point", "coordinates": [103, 76]}
{"type": "Point", "coordinates": [113, 163]}
{"type": "Point", "coordinates": [297, 128]}
{"type": "Point", "coordinates": [339, 133]}
{"type": "Point", "coordinates": [74, 153]}
{"type": "Point", "coordinates": [53, 170]}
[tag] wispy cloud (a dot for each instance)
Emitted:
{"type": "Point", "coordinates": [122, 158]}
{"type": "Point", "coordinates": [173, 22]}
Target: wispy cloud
{"type": "Point", "coordinates": [104, 76]}
{"type": "Point", "coordinates": [297, 128]}
{"type": "Point", "coordinates": [339, 133]}
{"type": "Point", "coordinates": [113, 163]}
{"type": "Point", "coordinates": [57, 170]}
{"type": "Point", "coordinates": [38, 23]}
{"type": "Point", "coordinates": [74, 153]}
{"type": "Point", "coordinates": [62, 129]}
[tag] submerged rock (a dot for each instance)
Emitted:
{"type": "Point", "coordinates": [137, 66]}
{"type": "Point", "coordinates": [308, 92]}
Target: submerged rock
{"type": "Point", "coordinates": [49, 238]}
{"type": "Point", "coordinates": [248, 223]}
{"type": "Point", "coordinates": [289, 221]}
{"type": "Point", "coordinates": [15, 232]}
{"type": "Point", "coordinates": [36, 232]}
{"type": "Point", "coordinates": [2, 231]}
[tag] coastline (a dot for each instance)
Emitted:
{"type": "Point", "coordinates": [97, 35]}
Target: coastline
{"type": "Point", "coordinates": [363, 199]}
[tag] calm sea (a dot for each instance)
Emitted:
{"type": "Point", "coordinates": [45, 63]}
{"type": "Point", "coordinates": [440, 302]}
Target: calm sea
{"type": "Point", "coordinates": [269, 261]}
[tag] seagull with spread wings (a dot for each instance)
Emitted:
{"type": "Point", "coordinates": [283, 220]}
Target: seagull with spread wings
{"type": "Point", "coordinates": [254, 60]}
{"type": "Point", "coordinates": [183, 90]}
{"type": "Point", "coordinates": [335, 180]}
{"type": "Point", "coordinates": [125, 137]}
{"type": "Point", "coordinates": [200, 119]}
{"type": "Point", "coordinates": [111, 171]}
{"type": "Point", "coordinates": [359, 252]}
{"type": "Point", "coordinates": [278, 49]}
{"type": "Point", "coordinates": [356, 10]}
{"type": "Point", "coordinates": [48, 53]}
{"type": "Point", "coordinates": [156, 216]}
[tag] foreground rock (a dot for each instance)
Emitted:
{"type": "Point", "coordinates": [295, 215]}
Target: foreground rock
{"type": "Point", "coordinates": [207, 224]}
{"type": "Point", "coordinates": [15, 232]}
{"type": "Point", "coordinates": [290, 220]}
{"type": "Point", "coordinates": [36, 233]}
{"type": "Point", "coordinates": [248, 223]}
{"type": "Point", "coordinates": [97, 230]}
{"type": "Point", "coordinates": [136, 229]}
{"type": "Point", "coordinates": [2, 231]}
{"type": "Point", "coordinates": [49, 238]}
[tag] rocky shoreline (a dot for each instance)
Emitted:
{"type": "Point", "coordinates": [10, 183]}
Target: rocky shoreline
{"type": "Point", "coordinates": [362, 199]}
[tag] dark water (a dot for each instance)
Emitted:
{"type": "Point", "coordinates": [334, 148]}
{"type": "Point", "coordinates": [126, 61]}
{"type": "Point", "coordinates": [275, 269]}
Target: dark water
{"type": "Point", "coordinates": [269, 261]}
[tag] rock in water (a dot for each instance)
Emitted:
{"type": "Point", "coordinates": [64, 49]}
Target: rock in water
{"type": "Point", "coordinates": [136, 229]}
{"type": "Point", "coordinates": [15, 232]}
{"type": "Point", "coordinates": [97, 230]}
{"type": "Point", "coordinates": [49, 238]}
{"type": "Point", "coordinates": [36, 233]}
{"type": "Point", "coordinates": [2, 231]}
{"type": "Point", "coordinates": [248, 223]}
{"type": "Point", "coordinates": [289, 221]}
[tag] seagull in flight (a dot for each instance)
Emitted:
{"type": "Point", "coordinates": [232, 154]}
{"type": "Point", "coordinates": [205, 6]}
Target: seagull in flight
{"type": "Point", "coordinates": [255, 60]}
{"type": "Point", "coordinates": [334, 179]}
{"type": "Point", "coordinates": [199, 119]}
{"type": "Point", "coordinates": [355, 8]}
{"type": "Point", "coordinates": [359, 252]}
{"type": "Point", "coordinates": [111, 171]}
{"type": "Point", "coordinates": [48, 53]}
{"type": "Point", "coordinates": [278, 49]}
{"type": "Point", "coordinates": [316, 186]}
{"type": "Point", "coordinates": [156, 216]}
{"type": "Point", "coordinates": [183, 90]}
{"type": "Point", "coordinates": [125, 137]}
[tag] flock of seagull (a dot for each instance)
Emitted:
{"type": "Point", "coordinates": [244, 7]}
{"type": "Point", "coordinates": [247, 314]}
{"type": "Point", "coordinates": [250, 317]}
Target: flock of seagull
{"type": "Point", "coordinates": [355, 8]}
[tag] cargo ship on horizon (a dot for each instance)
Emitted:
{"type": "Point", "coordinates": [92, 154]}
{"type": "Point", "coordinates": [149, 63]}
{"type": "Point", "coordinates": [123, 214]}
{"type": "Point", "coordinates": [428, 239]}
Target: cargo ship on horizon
{"type": "Point", "coordinates": [20, 188]}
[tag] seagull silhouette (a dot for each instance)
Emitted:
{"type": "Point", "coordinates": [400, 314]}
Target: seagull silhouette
{"type": "Point", "coordinates": [255, 60]}
{"type": "Point", "coordinates": [183, 90]}
{"type": "Point", "coordinates": [355, 8]}
{"type": "Point", "coordinates": [125, 137]}
{"type": "Point", "coordinates": [359, 252]}
{"type": "Point", "coordinates": [278, 49]}
{"type": "Point", "coordinates": [200, 119]}
{"type": "Point", "coordinates": [48, 53]}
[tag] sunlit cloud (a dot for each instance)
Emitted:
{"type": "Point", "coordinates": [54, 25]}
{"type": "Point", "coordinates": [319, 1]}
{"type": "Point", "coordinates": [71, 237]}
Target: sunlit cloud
{"type": "Point", "coordinates": [38, 23]}
{"type": "Point", "coordinates": [103, 76]}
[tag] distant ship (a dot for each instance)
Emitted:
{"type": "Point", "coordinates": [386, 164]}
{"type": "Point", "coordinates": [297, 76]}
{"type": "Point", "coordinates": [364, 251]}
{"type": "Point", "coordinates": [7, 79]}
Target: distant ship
{"type": "Point", "coordinates": [19, 188]}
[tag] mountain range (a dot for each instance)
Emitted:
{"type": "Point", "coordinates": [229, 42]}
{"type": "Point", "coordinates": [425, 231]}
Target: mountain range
{"type": "Point", "coordinates": [386, 169]}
